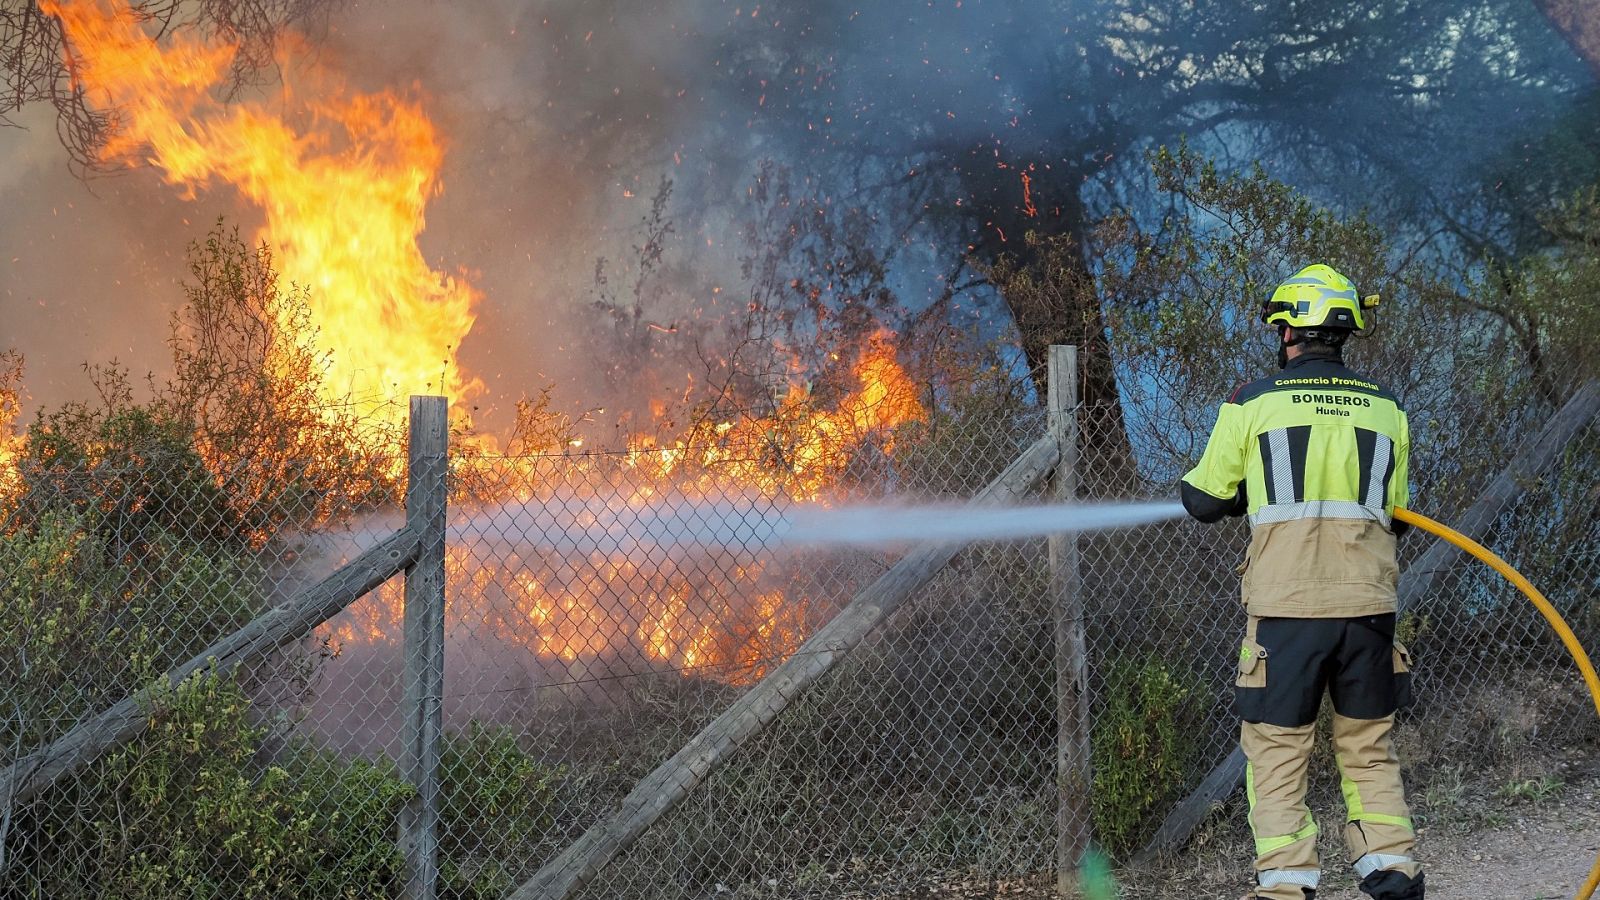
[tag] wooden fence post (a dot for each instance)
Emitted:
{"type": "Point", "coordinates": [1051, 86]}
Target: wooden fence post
{"type": "Point", "coordinates": [1073, 773]}
{"type": "Point", "coordinates": [421, 727]}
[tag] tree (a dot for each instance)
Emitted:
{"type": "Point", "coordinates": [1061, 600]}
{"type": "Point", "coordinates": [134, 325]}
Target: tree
{"type": "Point", "coordinates": [1486, 350]}
{"type": "Point", "coordinates": [1006, 117]}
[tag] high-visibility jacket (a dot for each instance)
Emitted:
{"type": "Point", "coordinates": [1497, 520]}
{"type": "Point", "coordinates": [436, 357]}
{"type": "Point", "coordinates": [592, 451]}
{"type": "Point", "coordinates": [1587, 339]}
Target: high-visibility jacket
{"type": "Point", "coordinates": [1316, 456]}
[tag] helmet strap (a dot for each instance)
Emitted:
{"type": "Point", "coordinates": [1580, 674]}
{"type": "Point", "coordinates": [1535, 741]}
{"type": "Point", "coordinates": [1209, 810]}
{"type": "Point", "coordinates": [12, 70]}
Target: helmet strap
{"type": "Point", "coordinates": [1334, 337]}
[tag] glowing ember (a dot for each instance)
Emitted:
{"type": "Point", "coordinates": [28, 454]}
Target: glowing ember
{"type": "Point", "coordinates": [343, 185]}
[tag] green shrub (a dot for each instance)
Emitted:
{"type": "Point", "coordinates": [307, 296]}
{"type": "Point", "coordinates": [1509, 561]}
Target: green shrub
{"type": "Point", "coordinates": [498, 804]}
{"type": "Point", "coordinates": [202, 805]}
{"type": "Point", "coordinates": [1141, 747]}
{"type": "Point", "coordinates": [87, 625]}
{"type": "Point", "coordinates": [193, 808]}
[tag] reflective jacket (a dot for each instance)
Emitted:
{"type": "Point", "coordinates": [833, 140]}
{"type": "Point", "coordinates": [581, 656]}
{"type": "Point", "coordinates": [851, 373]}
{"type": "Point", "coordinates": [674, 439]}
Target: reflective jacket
{"type": "Point", "coordinates": [1316, 457]}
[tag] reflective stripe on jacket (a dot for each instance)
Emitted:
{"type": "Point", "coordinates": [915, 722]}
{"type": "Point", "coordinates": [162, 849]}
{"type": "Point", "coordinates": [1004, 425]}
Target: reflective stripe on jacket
{"type": "Point", "coordinates": [1316, 456]}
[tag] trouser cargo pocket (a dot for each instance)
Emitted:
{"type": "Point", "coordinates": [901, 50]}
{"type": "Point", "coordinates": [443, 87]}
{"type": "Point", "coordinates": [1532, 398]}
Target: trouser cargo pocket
{"type": "Point", "coordinates": [1250, 684]}
{"type": "Point", "coordinates": [1402, 676]}
{"type": "Point", "coordinates": [1252, 665]}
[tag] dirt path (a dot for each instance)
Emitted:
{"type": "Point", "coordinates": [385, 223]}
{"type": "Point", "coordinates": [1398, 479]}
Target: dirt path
{"type": "Point", "coordinates": [1505, 844]}
{"type": "Point", "coordinates": [1543, 856]}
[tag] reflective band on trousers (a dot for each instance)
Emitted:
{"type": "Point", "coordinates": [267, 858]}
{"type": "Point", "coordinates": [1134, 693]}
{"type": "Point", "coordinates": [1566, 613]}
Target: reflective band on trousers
{"type": "Point", "coordinates": [1304, 877]}
{"type": "Point", "coordinates": [1317, 509]}
{"type": "Point", "coordinates": [1372, 862]}
{"type": "Point", "coordinates": [1268, 844]}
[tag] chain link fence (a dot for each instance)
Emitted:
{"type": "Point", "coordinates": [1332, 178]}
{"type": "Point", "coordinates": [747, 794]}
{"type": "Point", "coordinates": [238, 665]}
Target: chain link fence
{"type": "Point", "coordinates": [603, 609]}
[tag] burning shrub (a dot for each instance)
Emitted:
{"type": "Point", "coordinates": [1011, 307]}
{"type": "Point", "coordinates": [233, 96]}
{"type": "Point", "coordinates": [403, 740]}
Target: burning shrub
{"type": "Point", "coordinates": [236, 447]}
{"type": "Point", "coordinates": [249, 383]}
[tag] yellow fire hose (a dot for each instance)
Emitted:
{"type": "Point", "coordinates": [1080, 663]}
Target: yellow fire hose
{"type": "Point", "coordinates": [1550, 615]}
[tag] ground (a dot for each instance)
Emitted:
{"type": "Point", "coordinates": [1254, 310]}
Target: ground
{"type": "Point", "coordinates": [1507, 835]}
{"type": "Point", "coordinates": [1512, 833]}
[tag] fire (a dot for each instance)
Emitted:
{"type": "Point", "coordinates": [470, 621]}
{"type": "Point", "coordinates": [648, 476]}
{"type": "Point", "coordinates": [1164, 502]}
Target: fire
{"type": "Point", "coordinates": [801, 449]}
{"type": "Point", "coordinates": [730, 614]}
{"type": "Point", "coordinates": [342, 180]}
{"type": "Point", "coordinates": [343, 185]}
{"type": "Point", "coordinates": [10, 412]}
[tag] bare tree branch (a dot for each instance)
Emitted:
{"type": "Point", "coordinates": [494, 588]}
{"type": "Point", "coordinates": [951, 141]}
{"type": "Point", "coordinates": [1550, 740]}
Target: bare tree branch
{"type": "Point", "coordinates": [38, 61]}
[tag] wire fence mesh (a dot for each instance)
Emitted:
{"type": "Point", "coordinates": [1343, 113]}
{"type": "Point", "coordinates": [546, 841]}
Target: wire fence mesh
{"type": "Point", "coordinates": [604, 608]}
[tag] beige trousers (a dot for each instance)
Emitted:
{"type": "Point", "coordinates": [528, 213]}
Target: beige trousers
{"type": "Point", "coordinates": [1378, 832]}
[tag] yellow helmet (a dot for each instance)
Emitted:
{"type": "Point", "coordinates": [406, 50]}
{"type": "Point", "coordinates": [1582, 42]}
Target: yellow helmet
{"type": "Point", "coordinates": [1317, 297]}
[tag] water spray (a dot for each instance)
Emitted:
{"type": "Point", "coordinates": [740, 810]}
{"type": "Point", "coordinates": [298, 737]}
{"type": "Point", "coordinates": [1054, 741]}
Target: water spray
{"type": "Point", "coordinates": [752, 525]}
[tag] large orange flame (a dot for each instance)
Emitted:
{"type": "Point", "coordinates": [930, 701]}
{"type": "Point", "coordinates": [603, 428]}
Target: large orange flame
{"type": "Point", "coordinates": [801, 448]}
{"type": "Point", "coordinates": [342, 181]}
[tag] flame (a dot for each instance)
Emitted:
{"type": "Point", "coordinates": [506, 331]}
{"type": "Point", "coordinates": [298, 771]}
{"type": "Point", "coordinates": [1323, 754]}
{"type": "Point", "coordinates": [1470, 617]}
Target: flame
{"type": "Point", "coordinates": [729, 616]}
{"type": "Point", "coordinates": [801, 449]}
{"type": "Point", "coordinates": [10, 412]}
{"type": "Point", "coordinates": [343, 185]}
{"type": "Point", "coordinates": [343, 180]}
{"type": "Point", "coordinates": [10, 452]}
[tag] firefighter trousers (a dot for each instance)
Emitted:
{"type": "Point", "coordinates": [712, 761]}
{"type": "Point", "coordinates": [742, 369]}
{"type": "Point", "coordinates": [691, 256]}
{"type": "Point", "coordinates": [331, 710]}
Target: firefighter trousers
{"type": "Point", "coordinates": [1285, 667]}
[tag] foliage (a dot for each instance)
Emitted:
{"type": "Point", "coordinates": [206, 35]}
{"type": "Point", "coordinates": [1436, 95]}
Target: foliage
{"type": "Point", "coordinates": [1182, 299]}
{"type": "Point", "coordinates": [208, 803]}
{"type": "Point", "coordinates": [192, 808]}
{"type": "Point", "coordinates": [89, 619]}
{"type": "Point", "coordinates": [489, 784]}
{"type": "Point", "coordinates": [1452, 337]}
{"type": "Point", "coordinates": [1546, 301]}
{"type": "Point", "coordinates": [130, 540]}
{"type": "Point", "coordinates": [127, 471]}
{"type": "Point", "coordinates": [1141, 746]}
{"type": "Point", "coordinates": [236, 446]}
{"type": "Point", "coordinates": [248, 381]}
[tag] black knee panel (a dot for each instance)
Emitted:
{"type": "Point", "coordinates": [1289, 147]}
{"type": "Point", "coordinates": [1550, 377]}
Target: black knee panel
{"type": "Point", "coordinates": [1390, 885]}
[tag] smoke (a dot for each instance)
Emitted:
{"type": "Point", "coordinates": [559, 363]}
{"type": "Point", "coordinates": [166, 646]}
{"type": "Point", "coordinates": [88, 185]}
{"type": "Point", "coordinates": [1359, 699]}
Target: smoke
{"type": "Point", "coordinates": [91, 270]}
{"type": "Point", "coordinates": [562, 118]}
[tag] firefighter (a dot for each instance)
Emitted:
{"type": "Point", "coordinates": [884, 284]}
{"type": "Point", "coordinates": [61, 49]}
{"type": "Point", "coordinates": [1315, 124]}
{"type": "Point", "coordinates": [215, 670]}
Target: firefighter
{"type": "Point", "coordinates": [1316, 457]}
